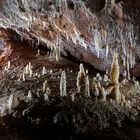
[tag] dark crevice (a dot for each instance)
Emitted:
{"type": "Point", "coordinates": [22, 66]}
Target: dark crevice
{"type": "Point", "coordinates": [95, 5]}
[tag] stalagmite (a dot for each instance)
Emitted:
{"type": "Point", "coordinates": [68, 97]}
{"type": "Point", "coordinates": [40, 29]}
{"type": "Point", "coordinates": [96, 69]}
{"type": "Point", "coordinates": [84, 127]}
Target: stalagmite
{"type": "Point", "coordinates": [124, 80]}
{"type": "Point", "coordinates": [114, 75]}
{"type": "Point", "coordinates": [63, 91]}
{"type": "Point", "coordinates": [106, 79]}
{"type": "Point", "coordinates": [115, 93]}
{"type": "Point", "coordinates": [38, 53]}
{"type": "Point", "coordinates": [102, 95]}
{"type": "Point", "coordinates": [72, 97]}
{"type": "Point", "coordinates": [106, 51]}
{"type": "Point", "coordinates": [99, 84]}
{"type": "Point", "coordinates": [27, 69]}
{"type": "Point", "coordinates": [30, 96]}
{"type": "Point", "coordinates": [45, 86]}
{"type": "Point", "coordinates": [8, 66]}
{"type": "Point", "coordinates": [30, 73]}
{"type": "Point", "coordinates": [87, 87]}
{"type": "Point", "coordinates": [81, 79]}
{"type": "Point", "coordinates": [3, 109]}
{"type": "Point", "coordinates": [30, 66]}
{"type": "Point", "coordinates": [48, 91]}
{"type": "Point", "coordinates": [13, 102]}
{"type": "Point", "coordinates": [46, 97]}
{"type": "Point", "coordinates": [23, 77]}
{"type": "Point", "coordinates": [86, 71]}
{"type": "Point", "coordinates": [109, 89]}
{"type": "Point", "coordinates": [94, 89]}
{"type": "Point", "coordinates": [44, 71]}
{"type": "Point", "coordinates": [98, 76]}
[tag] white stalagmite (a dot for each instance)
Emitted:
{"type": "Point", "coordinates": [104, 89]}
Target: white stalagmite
{"type": "Point", "coordinates": [38, 53]}
{"type": "Point", "coordinates": [45, 85]}
{"type": "Point", "coordinates": [30, 69]}
{"type": "Point", "coordinates": [63, 84]}
{"type": "Point", "coordinates": [115, 93]}
{"type": "Point", "coordinates": [99, 77]}
{"type": "Point", "coordinates": [107, 50]}
{"type": "Point", "coordinates": [81, 78]}
{"type": "Point", "coordinates": [23, 77]}
{"type": "Point", "coordinates": [27, 69]}
{"type": "Point", "coordinates": [3, 109]}
{"type": "Point", "coordinates": [95, 89]}
{"type": "Point", "coordinates": [46, 90]}
{"type": "Point", "coordinates": [8, 65]}
{"type": "Point", "coordinates": [30, 96]}
{"type": "Point", "coordinates": [87, 87]}
{"type": "Point", "coordinates": [102, 94]}
{"type": "Point", "coordinates": [44, 71]}
{"type": "Point", "coordinates": [46, 97]}
{"type": "Point", "coordinates": [30, 73]}
{"type": "Point", "coordinates": [115, 69]}
{"type": "Point", "coordinates": [105, 79]}
{"type": "Point", "coordinates": [109, 89]}
{"type": "Point", "coordinates": [72, 97]}
{"type": "Point", "coordinates": [30, 66]}
{"type": "Point", "coordinates": [13, 102]}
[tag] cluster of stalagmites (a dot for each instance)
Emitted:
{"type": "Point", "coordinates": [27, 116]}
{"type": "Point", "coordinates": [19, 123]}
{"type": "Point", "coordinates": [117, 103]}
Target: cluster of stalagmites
{"type": "Point", "coordinates": [104, 88]}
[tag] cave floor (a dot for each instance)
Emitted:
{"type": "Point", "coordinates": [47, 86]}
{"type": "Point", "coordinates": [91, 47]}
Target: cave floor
{"type": "Point", "coordinates": [60, 117]}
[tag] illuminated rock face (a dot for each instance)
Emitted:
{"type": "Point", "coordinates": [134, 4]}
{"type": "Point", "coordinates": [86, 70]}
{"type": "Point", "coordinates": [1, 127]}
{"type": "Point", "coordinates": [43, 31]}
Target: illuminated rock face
{"type": "Point", "coordinates": [87, 30]}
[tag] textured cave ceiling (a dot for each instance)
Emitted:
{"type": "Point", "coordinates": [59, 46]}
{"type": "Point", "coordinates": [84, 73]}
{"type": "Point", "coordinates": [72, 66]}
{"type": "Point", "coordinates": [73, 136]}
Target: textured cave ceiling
{"type": "Point", "coordinates": [83, 28]}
